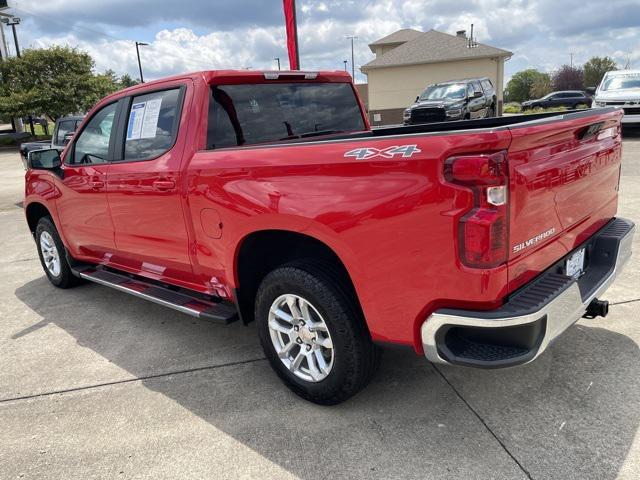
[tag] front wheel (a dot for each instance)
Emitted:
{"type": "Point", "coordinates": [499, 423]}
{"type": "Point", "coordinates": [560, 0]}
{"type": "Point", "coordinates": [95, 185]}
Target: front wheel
{"type": "Point", "coordinates": [313, 335]}
{"type": "Point", "coordinates": [52, 255]}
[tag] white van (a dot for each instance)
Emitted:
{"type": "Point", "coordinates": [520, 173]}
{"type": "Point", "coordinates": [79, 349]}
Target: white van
{"type": "Point", "coordinates": [620, 88]}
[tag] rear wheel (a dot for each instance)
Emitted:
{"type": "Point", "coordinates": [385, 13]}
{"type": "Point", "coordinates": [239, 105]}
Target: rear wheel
{"type": "Point", "coordinates": [53, 255]}
{"type": "Point", "coordinates": [491, 112]}
{"type": "Point", "coordinates": [312, 333]}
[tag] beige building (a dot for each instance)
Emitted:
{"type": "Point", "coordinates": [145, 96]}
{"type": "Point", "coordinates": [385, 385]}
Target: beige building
{"type": "Point", "coordinates": [408, 60]}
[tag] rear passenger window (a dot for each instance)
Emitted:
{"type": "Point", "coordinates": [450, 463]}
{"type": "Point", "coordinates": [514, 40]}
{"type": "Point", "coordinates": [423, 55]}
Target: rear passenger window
{"type": "Point", "coordinates": [152, 124]}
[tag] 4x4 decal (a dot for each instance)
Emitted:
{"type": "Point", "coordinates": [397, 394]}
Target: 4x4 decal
{"type": "Point", "coordinates": [365, 153]}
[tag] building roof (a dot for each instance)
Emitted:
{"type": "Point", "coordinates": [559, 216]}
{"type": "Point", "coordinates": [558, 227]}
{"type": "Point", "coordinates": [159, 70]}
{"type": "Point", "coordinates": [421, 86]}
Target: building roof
{"type": "Point", "coordinates": [401, 36]}
{"type": "Point", "coordinates": [431, 47]}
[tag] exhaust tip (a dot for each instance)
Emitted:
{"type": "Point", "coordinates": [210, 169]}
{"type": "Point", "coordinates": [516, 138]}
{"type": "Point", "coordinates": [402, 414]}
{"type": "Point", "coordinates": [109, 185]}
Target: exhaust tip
{"type": "Point", "coordinates": [597, 308]}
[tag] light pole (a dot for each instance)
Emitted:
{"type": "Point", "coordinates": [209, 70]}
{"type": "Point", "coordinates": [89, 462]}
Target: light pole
{"type": "Point", "coordinates": [277, 59]}
{"type": "Point", "coordinates": [13, 21]}
{"type": "Point", "coordinates": [138, 54]}
{"type": "Point", "coordinates": [353, 65]}
{"type": "Point", "coordinates": [345, 65]}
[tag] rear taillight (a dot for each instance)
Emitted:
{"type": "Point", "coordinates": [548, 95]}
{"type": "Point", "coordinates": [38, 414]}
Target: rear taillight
{"type": "Point", "coordinates": [483, 231]}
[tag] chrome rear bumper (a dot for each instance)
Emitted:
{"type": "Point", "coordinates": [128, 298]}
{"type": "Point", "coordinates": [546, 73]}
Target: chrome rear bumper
{"type": "Point", "coordinates": [535, 315]}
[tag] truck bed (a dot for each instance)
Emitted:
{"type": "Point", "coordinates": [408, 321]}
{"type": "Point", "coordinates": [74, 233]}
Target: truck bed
{"type": "Point", "coordinates": [511, 121]}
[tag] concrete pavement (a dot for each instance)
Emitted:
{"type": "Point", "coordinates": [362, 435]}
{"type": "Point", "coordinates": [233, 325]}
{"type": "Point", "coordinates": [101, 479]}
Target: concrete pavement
{"type": "Point", "coordinates": [97, 384]}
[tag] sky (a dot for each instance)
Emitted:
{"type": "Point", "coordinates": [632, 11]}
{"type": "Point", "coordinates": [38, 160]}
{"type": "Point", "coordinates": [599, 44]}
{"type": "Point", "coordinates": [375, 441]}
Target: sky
{"type": "Point", "coordinates": [189, 35]}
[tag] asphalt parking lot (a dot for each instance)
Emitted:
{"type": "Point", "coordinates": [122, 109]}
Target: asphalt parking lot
{"type": "Point", "coordinates": [97, 384]}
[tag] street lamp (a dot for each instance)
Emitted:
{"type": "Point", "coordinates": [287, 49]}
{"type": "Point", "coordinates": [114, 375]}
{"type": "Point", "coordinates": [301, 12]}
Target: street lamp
{"type": "Point", "coordinates": [138, 44]}
{"type": "Point", "coordinates": [345, 64]}
{"type": "Point", "coordinates": [353, 65]}
{"type": "Point", "coordinates": [277, 59]}
{"type": "Point", "coordinates": [13, 21]}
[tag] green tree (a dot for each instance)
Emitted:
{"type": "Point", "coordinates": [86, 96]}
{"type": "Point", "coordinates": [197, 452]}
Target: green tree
{"type": "Point", "coordinates": [127, 80]}
{"type": "Point", "coordinates": [541, 86]}
{"type": "Point", "coordinates": [55, 81]}
{"type": "Point", "coordinates": [519, 87]}
{"type": "Point", "coordinates": [595, 69]}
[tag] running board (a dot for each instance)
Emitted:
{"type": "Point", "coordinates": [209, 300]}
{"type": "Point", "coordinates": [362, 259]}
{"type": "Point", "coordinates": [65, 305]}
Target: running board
{"type": "Point", "coordinates": [216, 312]}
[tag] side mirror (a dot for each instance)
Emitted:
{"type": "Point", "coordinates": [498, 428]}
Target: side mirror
{"type": "Point", "coordinates": [477, 94]}
{"type": "Point", "coordinates": [590, 90]}
{"type": "Point", "coordinates": [417, 98]}
{"type": "Point", "coordinates": [67, 138]}
{"type": "Point", "coordinates": [47, 159]}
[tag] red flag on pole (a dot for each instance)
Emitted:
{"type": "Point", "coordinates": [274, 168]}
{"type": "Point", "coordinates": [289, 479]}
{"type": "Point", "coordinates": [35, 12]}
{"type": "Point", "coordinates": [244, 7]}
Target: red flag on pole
{"type": "Point", "coordinates": [292, 33]}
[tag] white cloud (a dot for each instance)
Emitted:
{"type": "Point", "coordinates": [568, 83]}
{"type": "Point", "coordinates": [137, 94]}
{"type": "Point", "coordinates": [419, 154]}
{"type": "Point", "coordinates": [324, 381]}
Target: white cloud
{"type": "Point", "coordinates": [541, 33]}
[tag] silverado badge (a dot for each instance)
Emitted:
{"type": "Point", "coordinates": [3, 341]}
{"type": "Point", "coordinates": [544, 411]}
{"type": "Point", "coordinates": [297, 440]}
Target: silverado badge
{"type": "Point", "coordinates": [533, 240]}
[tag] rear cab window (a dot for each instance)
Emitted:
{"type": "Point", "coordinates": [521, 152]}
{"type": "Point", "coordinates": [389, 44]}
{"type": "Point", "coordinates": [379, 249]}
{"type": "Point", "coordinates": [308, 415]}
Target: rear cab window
{"type": "Point", "coordinates": [246, 114]}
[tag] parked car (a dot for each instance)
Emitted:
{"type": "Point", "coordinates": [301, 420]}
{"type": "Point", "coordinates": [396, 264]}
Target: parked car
{"type": "Point", "coordinates": [572, 99]}
{"type": "Point", "coordinates": [453, 100]}
{"type": "Point", "coordinates": [64, 128]}
{"type": "Point", "coordinates": [267, 197]}
{"type": "Point", "coordinates": [620, 89]}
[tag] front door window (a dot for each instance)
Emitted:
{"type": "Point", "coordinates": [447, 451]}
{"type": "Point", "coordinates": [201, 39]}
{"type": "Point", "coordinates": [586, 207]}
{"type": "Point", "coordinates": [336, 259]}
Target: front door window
{"type": "Point", "coordinates": [92, 145]}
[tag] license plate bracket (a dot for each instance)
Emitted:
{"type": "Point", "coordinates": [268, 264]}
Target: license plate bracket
{"type": "Point", "coordinates": [574, 265]}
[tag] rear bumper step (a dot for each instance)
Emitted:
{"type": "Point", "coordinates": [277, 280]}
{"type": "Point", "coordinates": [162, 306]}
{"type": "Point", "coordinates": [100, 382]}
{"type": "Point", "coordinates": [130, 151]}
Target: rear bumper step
{"type": "Point", "coordinates": [535, 315]}
{"type": "Point", "coordinates": [216, 312]}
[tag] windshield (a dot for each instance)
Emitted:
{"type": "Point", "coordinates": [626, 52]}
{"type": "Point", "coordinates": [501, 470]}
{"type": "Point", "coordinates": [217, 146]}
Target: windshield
{"type": "Point", "coordinates": [259, 113]}
{"type": "Point", "coordinates": [621, 82]}
{"type": "Point", "coordinates": [452, 91]}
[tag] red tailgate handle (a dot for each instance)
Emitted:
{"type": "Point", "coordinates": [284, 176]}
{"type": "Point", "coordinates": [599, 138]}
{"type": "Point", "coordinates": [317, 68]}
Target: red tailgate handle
{"type": "Point", "coordinates": [96, 184]}
{"type": "Point", "coordinates": [164, 185]}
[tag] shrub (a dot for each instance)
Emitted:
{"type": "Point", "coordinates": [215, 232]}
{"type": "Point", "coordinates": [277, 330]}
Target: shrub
{"type": "Point", "coordinates": [512, 107]}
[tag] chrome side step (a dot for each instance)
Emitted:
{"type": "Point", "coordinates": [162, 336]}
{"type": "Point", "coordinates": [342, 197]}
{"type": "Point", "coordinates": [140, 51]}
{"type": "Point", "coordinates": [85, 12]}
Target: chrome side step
{"type": "Point", "coordinates": [217, 312]}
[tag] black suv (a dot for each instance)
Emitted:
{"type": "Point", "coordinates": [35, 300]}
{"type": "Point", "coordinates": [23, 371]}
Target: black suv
{"type": "Point", "coordinates": [453, 100]}
{"type": "Point", "coordinates": [568, 98]}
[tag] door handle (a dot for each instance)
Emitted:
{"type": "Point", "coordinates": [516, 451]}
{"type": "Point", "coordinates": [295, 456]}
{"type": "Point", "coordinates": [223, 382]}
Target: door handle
{"type": "Point", "coordinates": [164, 185]}
{"type": "Point", "coordinates": [96, 184]}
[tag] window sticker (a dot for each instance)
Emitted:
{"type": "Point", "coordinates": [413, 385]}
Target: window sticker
{"type": "Point", "coordinates": [135, 120]}
{"type": "Point", "coordinates": [143, 119]}
{"type": "Point", "coordinates": [150, 119]}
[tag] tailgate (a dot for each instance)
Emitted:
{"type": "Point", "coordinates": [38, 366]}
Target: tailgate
{"type": "Point", "coordinates": [564, 174]}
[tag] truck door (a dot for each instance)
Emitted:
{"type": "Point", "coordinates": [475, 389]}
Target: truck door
{"type": "Point", "coordinates": [143, 185]}
{"type": "Point", "coordinates": [476, 104]}
{"type": "Point", "coordinates": [82, 204]}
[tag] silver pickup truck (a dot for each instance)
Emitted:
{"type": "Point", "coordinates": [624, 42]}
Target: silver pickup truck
{"type": "Point", "coordinates": [620, 88]}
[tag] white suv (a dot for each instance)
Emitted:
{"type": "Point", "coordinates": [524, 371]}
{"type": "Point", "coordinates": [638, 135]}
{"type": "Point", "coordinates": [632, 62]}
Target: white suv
{"type": "Point", "coordinates": [620, 88]}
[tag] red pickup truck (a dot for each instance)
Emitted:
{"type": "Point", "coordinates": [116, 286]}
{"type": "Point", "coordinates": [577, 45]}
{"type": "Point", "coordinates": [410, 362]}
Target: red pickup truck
{"type": "Point", "coordinates": [266, 196]}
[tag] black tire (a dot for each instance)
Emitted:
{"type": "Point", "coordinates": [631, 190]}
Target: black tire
{"type": "Point", "coordinates": [64, 279]}
{"type": "Point", "coordinates": [491, 112]}
{"type": "Point", "coordinates": [356, 358]}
